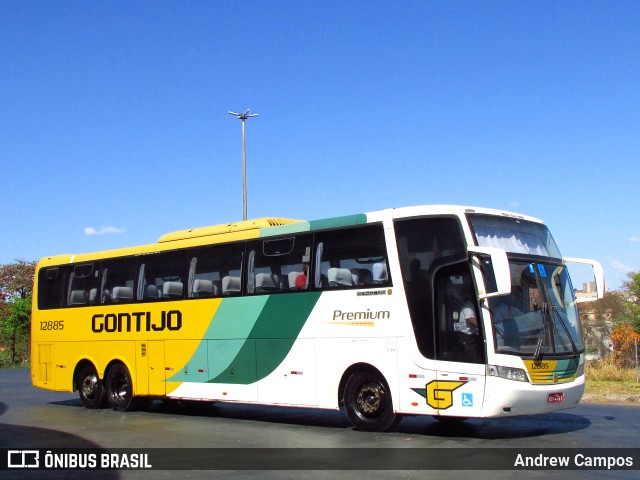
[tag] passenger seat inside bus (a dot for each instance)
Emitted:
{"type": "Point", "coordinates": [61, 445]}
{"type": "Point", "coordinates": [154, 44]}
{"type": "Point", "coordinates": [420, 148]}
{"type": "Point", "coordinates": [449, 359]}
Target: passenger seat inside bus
{"type": "Point", "coordinates": [78, 297]}
{"type": "Point", "coordinates": [172, 290]}
{"type": "Point", "coordinates": [361, 276]}
{"type": "Point", "coordinates": [293, 276]}
{"type": "Point", "coordinates": [266, 283]}
{"type": "Point", "coordinates": [205, 288]}
{"type": "Point", "coordinates": [151, 292]}
{"type": "Point", "coordinates": [121, 294]}
{"type": "Point", "coordinates": [231, 285]}
{"type": "Point", "coordinates": [380, 274]}
{"type": "Point", "coordinates": [340, 277]}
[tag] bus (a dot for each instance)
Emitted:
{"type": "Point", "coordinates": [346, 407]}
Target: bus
{"type": "Point", "coordinates": [448, 311]}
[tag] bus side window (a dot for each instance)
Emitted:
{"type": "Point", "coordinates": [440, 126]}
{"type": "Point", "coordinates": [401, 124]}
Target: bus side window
{"type": "Point", "coordinates": [279, 265]}
{"type": "Point", "coordinates": [161, 276]}
{"type": "Point", "coordinates": [51, 287]}
{"type": "Point", "coordinates": [352, 258]}
{"type": "Point", "coordinates": [118, 279]}
{"type": "Point", "coordinates": [83, 285]}
{"type": "Point", "coordinates": [215, 271]}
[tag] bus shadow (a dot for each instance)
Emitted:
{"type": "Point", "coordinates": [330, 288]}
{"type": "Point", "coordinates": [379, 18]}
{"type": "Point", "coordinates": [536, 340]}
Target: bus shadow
{"type": "Point", "coordinates": [257, 413]}
{"type": "Point", "coordinates": [248, 412]}
{"type": "Point", "coordinates": [20, 437]}
{"type": "Point", "coordinates": [74, 402]}
{"type": "Point", "coordinates": [490, 429]}
{"type": "Point", "coordinates": [499, 428]}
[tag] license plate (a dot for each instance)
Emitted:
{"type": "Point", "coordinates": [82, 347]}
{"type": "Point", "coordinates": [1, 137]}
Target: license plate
{"type": "Point", "coordinates": [555, 398]}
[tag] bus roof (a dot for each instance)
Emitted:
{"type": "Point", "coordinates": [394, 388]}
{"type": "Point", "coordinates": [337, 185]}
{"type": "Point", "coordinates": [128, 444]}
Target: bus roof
{"type": "Point", "coordinates": [214, 230]}
{"type": "Point", "coordinates": [270, 226]}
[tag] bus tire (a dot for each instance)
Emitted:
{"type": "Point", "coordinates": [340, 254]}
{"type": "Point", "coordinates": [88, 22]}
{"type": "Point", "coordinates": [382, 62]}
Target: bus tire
{"type": "Point", "coordinates": [90, 387]}
{"type": "Point", "coordinates": [120, 388]}
{"type": "Point", "coordinates": [368, 403]}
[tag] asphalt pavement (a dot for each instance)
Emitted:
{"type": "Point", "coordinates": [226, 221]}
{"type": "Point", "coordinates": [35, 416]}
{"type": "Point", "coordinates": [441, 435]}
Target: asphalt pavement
{"type": "Point", "coordinates": [249, 441]}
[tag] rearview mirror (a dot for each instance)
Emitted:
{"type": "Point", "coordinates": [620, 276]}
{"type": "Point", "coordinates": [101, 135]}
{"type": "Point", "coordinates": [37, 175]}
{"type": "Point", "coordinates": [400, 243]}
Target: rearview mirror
{"type": "Point", "coordinates": [495, 267]}
{"type": "Point", "coordinates": [598, 273]}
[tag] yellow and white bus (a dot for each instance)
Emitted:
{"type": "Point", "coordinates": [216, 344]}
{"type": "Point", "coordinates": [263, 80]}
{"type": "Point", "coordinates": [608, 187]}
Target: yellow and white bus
{"type": "Point", "coordinates": [448, 311]}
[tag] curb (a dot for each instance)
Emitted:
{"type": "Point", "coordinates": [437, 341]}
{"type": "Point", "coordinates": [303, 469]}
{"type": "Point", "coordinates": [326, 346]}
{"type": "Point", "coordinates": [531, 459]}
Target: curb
{"type": "Point", "coordinates": [589, 398]}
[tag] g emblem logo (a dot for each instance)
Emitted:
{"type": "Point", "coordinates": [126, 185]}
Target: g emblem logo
{"type": "Point", "coordinates": [439, 393]}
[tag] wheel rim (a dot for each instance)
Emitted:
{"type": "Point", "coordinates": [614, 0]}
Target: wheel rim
{"type": "Point", "coordinates": [371, 399]}
{"type": "Point", "coordinates": [90, 386]}
{"type": "Point", "coordinates": [120, 388]}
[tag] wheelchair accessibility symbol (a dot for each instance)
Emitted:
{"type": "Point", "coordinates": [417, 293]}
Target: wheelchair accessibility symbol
{"type": "Point", "coordinates": [467, 399]}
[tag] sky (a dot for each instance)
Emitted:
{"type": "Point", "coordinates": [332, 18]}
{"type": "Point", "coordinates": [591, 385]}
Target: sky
{"type": "Point", "coordinates": [114, 124]}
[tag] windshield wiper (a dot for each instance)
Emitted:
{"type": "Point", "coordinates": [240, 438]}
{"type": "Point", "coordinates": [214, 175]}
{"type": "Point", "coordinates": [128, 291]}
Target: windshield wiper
{"type": "Point", "coordinates": [537, 356]}
{"type": "Point", "coordinates": [564, 326]}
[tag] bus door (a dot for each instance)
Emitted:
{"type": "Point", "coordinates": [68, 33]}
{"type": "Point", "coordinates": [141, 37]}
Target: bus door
{"type": "Point", "coordinates": [459, 340]}
{"type": "Point", "coordinates": [157, 370]}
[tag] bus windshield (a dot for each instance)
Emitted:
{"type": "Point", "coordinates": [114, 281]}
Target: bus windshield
{"type": "Point", "coordinates": [514, 235]}
{"type": "Point", "coordinates": [540, 316]}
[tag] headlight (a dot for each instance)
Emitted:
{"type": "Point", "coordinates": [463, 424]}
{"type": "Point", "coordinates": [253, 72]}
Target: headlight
{"type": "Point", "coordinates": [509, 373]}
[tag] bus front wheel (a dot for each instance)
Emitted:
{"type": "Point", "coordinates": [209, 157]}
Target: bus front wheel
{"type": "Point", "coordinates": [367, 400]}
{"type": "Point", "coordinates": [120, 388]}
{"type": "Point", "coordinates": [90, 387]}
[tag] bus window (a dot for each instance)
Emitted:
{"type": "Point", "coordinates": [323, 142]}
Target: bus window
{"type": "Point", "coordinates": [210, 266]}
{"type": "Point", "coordinates": [349, 258]}
{"type": "Point", "coordinates": [83, 285]}
{"type": "Point", "coordinates": [162, 276]}
{"type": "Point", "coordinates": [279, 265]}
{"type": "Point", "coordinates": [51, 283]}
{"type": "Point", "coordinates": [118, 277]}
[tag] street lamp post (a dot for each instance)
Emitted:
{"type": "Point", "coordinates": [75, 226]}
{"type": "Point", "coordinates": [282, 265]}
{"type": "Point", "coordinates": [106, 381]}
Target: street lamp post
{"type": "Point", "coordinates": [243, 117]}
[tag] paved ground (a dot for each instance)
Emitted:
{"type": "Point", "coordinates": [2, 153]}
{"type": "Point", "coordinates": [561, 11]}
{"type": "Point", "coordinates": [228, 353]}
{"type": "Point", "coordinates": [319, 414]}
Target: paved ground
{"type": "Point", "coordinates": [611, 399]}
{"type": "Point", "coordinates": [33, 418]}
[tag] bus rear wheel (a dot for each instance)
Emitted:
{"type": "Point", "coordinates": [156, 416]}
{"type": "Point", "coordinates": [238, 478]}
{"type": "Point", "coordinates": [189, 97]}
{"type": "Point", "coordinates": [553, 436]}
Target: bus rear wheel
{"type": "Point", "coordinates": [367, 400]}
{"type": "Point", "coordinates": [90, 387]}
{"type": "Point", "coordinates": [120, 388]}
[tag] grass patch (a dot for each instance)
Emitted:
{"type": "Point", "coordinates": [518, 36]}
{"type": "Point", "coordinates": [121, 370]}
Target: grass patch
{"type": "Point", "coordinates": [605, 378]}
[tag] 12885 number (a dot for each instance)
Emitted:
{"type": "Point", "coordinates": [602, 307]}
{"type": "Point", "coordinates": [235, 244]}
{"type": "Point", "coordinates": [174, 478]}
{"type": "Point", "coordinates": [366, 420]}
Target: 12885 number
{"type": "Point", "coordinates": [52, 325]}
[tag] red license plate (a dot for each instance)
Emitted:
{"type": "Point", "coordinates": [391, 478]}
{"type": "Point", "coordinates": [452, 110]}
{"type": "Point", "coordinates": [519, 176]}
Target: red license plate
{"type": "Point", "coordinates": [555, 398]}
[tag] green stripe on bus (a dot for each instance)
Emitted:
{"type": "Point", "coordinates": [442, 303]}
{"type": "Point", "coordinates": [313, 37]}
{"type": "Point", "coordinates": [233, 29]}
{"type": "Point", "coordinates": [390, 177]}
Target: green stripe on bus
{"type": "Point", "coordinates": [323, 224]}
{"type": "Point", "coordinates": [285, 229]}
{"type": "Point", "coordinates": [236, 318]}
{"type": "Point", "coordinates": [278, 328]}
{"type": "Point", "coordinates": [273, 334]}
{"type": "Point", "coordinates": [337, 222]}
{"type": "Point", "coordinates": [249, 337]}
{"type": "Point", "coordinates": [225, 336]}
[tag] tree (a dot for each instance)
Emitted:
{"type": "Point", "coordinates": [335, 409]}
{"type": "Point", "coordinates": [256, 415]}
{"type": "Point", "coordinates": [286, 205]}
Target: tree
{"type": "Point", "coordinates": [16, 279]}
{"type": "Point", "coordinates": [614, 319]}
{"type": "Point", "coordinates": [16, 288]}
{"type": "Point", "coordinates": [633, 285]}
{"type": "Point", "coordinates": [626, 332]}
{"type": "Point", "coordinates": [598, 319]}
{"type": "Point", "coordinates": [15, 327]}
{"type": "Point", "coordinates": [632, 289]}
{"type": "Point", "coordinates": [625, 339]}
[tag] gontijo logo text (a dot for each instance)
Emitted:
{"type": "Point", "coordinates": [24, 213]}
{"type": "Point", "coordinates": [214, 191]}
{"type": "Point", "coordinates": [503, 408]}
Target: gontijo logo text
{"type": "Point", "coordinates": [137, 322]}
